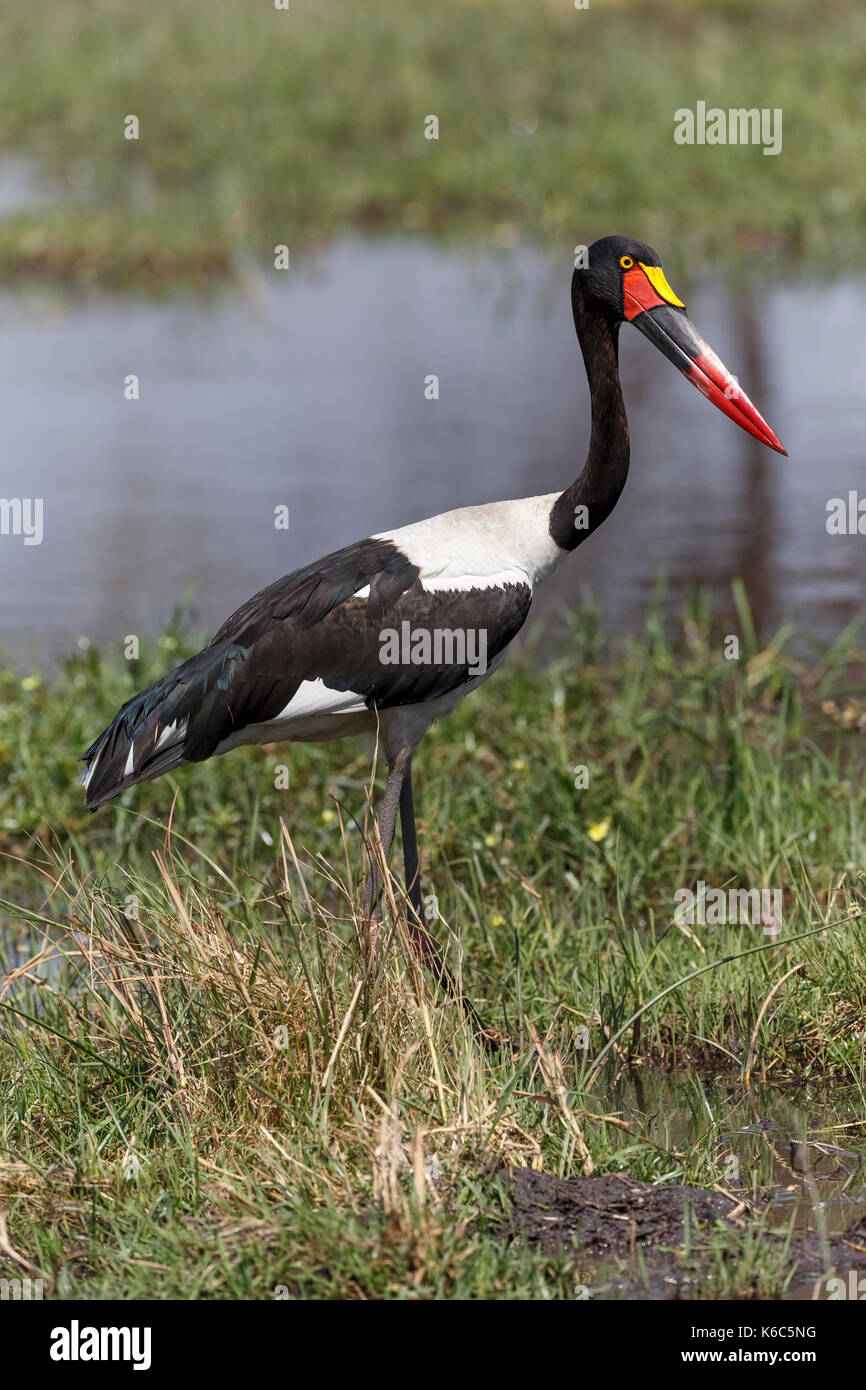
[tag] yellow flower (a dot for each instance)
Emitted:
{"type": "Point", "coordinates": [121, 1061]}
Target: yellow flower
{"type": "Point", "coordinates": [599, 829]}
{"type": "Point", "coordinates": [328, 816]}
{"type": "Point", "coordinates": [490, 840]}
{"type": "Point", "coordinates": [31, 682]}
{"type": "Point", "coordinates": [496, 920]}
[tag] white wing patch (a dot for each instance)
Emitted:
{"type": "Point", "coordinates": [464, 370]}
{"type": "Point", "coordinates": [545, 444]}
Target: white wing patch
{"type": "Point", "coordinates": [172, 733]}
{"type": "Point", "coordinates": [88, 772]}
{"type": "Point", "coordinates": [166, 735]}
{"type": "Point", "coordinates": [314, 697]}
{"type": "Point", "coordinates": [314, 714]}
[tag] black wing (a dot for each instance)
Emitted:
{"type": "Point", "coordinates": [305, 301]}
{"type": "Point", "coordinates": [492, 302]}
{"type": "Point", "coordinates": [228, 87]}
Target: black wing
{"type": "Point", "coordinates": [309, 625]}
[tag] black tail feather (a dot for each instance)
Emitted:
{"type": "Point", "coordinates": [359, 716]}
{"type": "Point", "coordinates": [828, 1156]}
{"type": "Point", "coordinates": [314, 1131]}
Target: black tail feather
{"type": "Point", "coordinates": [180, 718]}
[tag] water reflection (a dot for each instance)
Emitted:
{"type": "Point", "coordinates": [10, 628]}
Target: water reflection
{"type": "Point", "coordinates": [802, 1148]}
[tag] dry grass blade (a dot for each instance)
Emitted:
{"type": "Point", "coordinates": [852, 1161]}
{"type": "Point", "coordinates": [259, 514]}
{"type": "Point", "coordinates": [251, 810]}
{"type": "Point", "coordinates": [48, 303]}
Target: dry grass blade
{"type": "Point", "coordinates": [551, 1071]}
{"type": "Point", "coordinates": [801, 965]}
{"type": "Point", "coordinates": [15, 1255]}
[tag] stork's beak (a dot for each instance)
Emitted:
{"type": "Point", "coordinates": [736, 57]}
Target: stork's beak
{"type": "Point", "coordinates": [652, 306]}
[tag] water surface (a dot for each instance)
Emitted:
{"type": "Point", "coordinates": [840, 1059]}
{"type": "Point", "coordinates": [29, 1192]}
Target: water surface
{"type": "Point", "coordinates": [307, 391]}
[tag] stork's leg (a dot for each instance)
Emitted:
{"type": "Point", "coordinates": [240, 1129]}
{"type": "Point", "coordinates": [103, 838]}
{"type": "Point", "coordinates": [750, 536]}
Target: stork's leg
{"type": "Point", "coordinates": [425, 944]}
{"type": "Point", "coordinates": [387, 823]}
{"type": "Point", "coordinates": [410, 847]}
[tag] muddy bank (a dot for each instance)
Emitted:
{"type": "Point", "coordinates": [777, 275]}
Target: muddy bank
{"type": "Point", "coordinates": [612, 1219]}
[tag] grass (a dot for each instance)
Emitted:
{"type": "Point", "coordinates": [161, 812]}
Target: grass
{"type": "Point", "coordinates": [260, 127]}
{"type": "Point", "coordinates": [213, 1088]}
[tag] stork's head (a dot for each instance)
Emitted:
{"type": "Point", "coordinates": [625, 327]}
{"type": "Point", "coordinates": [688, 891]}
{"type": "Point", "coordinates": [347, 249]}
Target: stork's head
{"type": "Point", "coordinates": [625, 279]}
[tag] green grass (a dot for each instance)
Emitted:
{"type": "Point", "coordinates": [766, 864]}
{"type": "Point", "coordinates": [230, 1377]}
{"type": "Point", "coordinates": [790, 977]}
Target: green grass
{"type": "Point", "coordinates": [260, 127]}
{"type": "Point", "coordinates": [212, 1087]}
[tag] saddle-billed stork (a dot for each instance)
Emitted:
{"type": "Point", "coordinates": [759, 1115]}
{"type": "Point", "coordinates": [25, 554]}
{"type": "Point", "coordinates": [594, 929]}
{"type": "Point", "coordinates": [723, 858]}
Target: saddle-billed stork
{"type": "Point", "coordinates": [387, 635]}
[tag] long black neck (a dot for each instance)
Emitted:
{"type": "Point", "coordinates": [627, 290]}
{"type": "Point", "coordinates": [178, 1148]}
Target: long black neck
{"type": "Point", "coordinates": [595, 492]}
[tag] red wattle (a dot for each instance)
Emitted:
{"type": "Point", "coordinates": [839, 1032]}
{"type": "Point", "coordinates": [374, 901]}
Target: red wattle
{"type": "Point", "coordinates": [638, 294]}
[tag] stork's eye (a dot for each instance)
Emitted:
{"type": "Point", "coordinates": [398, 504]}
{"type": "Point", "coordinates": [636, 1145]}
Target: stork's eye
{"type": "Point", "coordinates": [626, 262]}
